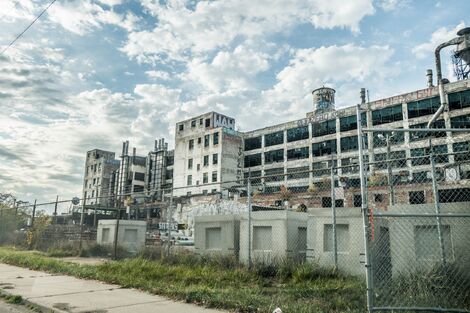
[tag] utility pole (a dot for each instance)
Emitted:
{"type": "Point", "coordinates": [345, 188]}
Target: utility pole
{"type": "Point", "coordinates": [389, 169]}
{"type": "Point", "coordinates": [55, 209]}
{"type": "Point", "coordinates": [34, 213]}
{"type": "Point", "coordinates": [333, 209]}
{"type": "Point", "coordinates": [249, 219]}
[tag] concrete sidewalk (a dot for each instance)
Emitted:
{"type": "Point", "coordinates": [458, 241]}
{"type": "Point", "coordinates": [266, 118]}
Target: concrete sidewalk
{"type": "Point", "coordinates": [68, 294]}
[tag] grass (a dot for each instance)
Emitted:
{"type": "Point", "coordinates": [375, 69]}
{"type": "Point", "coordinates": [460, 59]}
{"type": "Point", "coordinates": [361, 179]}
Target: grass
{"type": "Point", "coordinates": [217, 282]}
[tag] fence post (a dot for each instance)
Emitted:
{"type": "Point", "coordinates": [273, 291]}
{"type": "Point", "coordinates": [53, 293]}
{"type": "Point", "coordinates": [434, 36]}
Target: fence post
{"type": "Point", "coordinates": [168, 247]}
{"type": "Point", "coordinates": [389, 169]}
{"type": "Point", "coordinates": [116, 229]}
{"type": "Point", "coordinates": [364, 208]}
{"type": "Point", "coordinates": [82, 217]}
{"type": "Point", "coordinates": [55, 209]}
{"type": "Point", "coordinates": [248, 189]}
{"type": "Point", "coordinates": [333, 209]}
{"type": "Point", "coordinates": [435, 192]}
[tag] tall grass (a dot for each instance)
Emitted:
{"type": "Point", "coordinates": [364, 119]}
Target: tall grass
{"type": "Point", "coordinates": [215, 281]}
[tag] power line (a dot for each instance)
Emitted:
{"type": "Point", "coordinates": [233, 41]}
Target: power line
{"type": "Point", "coordinates": [31, 24]}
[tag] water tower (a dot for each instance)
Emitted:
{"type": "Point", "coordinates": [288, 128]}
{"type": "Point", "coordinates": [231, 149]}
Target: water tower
{"type": "Point", "coordinates": [323, 100]}
{"type": "Point", "coordinates": [461, 56]}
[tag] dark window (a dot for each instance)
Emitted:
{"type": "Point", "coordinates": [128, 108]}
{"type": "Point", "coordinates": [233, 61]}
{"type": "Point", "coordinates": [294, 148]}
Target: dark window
{"type": "Point", "coordinates": [380, 139]}
{"type": "Point", "coordinates": [415, 136]}
{"type": "Point", "coordinates": [421, 177]}
{"type": "Point", "coordinates": [357, 201]}
{"type": "Point", "coordinates": [459, 100]}
{"type": "Point", "coordinates": [191, 144]}
{"type": "Point", "coordinates": [215, 158]}
{"type": "Point", "coordinates": [339, 203]}
{"type": "Point", "coordinates": [193, 123]}
{"type": "Point", "coordinates": [199, 140]}
{"type": "Point", "coordinates": [397, 159]}
{"type": "Point", "coordinates": [350, 122]}
{"type": "Point", "coordinates": [323, 168]}
{"type": "Point", "coordinates": [462, 121]}
{"type": "Point", "coordinates": [208, 122]}
{"type": "Point", "coordinates": [326, 202]}
{"type": "Point", "coordinates": [274, 174]}
{"type": "Point", "coordinates": [422, 155]}
{"type": "Point", "coordinates": [454, 195]}
{"type": "Point", "coordinates": [423, 107]}
{"type": "Point", "coordinates": [190, 180]}
{"type": "Point", "coordinates": [416, 197]}
{"type": "Point", "coordinates": [298, 172]}
{"type": "Point", "coordinates": [181, 127]}
{"type": "Point", "coordinates": [274, 138]}
{"type": "Point", "coordinates": [170, 160]}
{"type": "Point", "coordinates": [297, 133]}
{"type": "Point", "coordinates": [169, 174]}
{"type": "Point", "coordinates": [379, 197]}
{"type": "Point", "coordinates": [215, 139]}
{"type": "Point", "coordinates": [214, 176]}
{"type": "Point", "coordinates": [198, 167]}
{"type": "Point", "coordinates": [200, 121]}
{"type": "Point", "coordinates": [387, 115]}
{"type": "Point", "coordinates": [324, 128]}
{"type": "Point", "coordinates": [349, 143]}
{"type": "Point", "coordinates": [206, 140]}
{"type": "Point", "coordinates": [253, 160]}
{"type": "Point", "coordinates": [274, 156]}
{"type": "Point", "coordinates": [205, 178]}
{"type": "Point", "coordinates": [190, 164]}
{"type": "Point", "coordinates": [252, 173]}
{"type": "Point", "coordinates": [324, 148]}
{"type": "Point", "coordinates": [252, 143]}
{"type": "Point", "coordinates": [138, 188]}
{"type": "Point", "coordinates": [139, 176]}
{"type": "Point", "coordinates": [297, 153]}
{"type": "Point", "coordinates": [206, 160]}
{"type": "Point", "coordinates": [462, 151]}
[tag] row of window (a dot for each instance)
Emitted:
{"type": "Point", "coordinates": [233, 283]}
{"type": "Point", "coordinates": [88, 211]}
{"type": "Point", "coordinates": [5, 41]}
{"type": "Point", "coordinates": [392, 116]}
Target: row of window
{"type": "Point", "coordinates": [215, 140]}
{"type": "Point", "coordinates": [205, 179]}
{"type": "Point", "coordinates": [215, 160]}
{"type": "Point", "coordinates": [194, 123]}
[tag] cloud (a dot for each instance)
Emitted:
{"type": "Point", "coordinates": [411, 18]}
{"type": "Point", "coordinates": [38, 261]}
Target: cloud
{"type": "Point", "coordinates": [158, 75]}
{"type": "Point", "coordinates": [441, 35]}
{"type": "Point", "coordinates": [182, 31]}
{"type": "Point", "coordinates": [391, 5]}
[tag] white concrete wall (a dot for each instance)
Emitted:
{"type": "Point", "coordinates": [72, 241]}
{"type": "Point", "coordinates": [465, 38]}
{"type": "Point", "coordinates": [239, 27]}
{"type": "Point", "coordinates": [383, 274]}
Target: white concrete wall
{"type": "Point", "coordinates": [348, 259]}
{"type": "Point", "coordinates": [284, 235]}
{"type": "Point", "coordinates": [229, 226]}
{"type": "Point", "coordinates": [131, 234]}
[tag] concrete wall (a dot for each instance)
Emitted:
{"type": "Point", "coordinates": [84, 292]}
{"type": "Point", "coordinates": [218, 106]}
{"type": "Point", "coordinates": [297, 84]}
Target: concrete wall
{"type": "Point", "coordinates": [350, 238]}
{"type": "Point", "coordinates": [131, 234]}
{"type": "Point", "coordinates": [275, 236]}
{"type": "Point", "coordinates": [227, 227]}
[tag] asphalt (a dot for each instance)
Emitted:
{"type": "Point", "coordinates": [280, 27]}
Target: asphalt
{"type": "Point", "coordinates": [68, 294]}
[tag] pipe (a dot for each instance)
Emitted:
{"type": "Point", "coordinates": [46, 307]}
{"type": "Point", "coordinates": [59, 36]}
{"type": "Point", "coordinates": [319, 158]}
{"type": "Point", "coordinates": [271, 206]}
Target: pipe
{"type": "Point", "coordinates": [442, 95]}
{"type": "Point", "coordinates": [429, 77]}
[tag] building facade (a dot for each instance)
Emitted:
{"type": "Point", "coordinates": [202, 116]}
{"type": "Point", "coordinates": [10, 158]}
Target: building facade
{"type": "Point", "coordinates": [100, 166]}
{"type": "Point", "coordinates": [207, 149]}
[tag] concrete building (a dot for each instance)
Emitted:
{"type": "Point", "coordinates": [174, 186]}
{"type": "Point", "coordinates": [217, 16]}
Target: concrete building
{"type": "Point", "coordinates": [131, 174]}
{"type": "Point", "coordinates": [329, 135]}
{"type": "Point", "coordinates": [98, 183]}
{"type": "Point", "coordinates": [217, 234]}
{"type": "Point", "coordinates": [207, 154]}
{"type": "Point", "coordinates": [131, 234]}
{"type": "Point", "coordinates": [276, 236]}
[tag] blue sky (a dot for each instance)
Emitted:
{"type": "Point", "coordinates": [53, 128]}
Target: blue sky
{"type": "Point", "coordinates": [90, 74]}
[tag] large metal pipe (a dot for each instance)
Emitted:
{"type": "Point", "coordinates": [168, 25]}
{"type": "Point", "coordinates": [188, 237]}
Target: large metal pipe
{"type": "Point", "coordinates": [440, 83]}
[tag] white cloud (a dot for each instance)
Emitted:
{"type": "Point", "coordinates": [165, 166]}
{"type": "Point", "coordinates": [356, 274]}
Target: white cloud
{"type": "Point", "coordinates": [391, 5]}
{"type": "Point", "coordinates": [216, 24]}
{"type": "Point", "coordinates": [441, 35]}
{"type": "Point", "coordinates": [158, 75]}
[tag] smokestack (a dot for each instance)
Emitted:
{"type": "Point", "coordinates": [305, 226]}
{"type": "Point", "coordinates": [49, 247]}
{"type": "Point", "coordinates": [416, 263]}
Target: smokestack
{"type": "Point", "coordinates": [156, 145]}
{"type": "Point", "coordinates": [363, 95]}
{"type": "Point", "coordinates": [126, 152]}
{"type": "Point", "coordinates": [429, 76]}
{"type": "Point", "coordinates": [133, 152]}
{"type": "Point", "coordinates": [166, 145]}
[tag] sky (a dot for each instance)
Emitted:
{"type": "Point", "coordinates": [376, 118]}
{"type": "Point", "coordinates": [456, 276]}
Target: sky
{"type": "Point", "coordinates": [91, 74]}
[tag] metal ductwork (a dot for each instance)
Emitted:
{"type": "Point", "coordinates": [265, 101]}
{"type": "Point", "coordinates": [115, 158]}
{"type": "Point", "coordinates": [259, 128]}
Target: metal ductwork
{"type": "Point", "coordinates": [463, 39]}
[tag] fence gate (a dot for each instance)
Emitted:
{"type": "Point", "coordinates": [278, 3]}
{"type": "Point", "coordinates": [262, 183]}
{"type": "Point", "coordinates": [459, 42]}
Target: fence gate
{"type": "Point", "coordinates": [415, 190]}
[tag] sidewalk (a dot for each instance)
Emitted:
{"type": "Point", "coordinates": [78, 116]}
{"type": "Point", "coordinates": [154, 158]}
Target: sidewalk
{"type": "Point", "coordinates": [69, 294]}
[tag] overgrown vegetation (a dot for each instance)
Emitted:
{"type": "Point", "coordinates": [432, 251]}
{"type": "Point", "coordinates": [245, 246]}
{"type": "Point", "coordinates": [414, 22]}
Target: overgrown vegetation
{"type": "Point", "coordinates": [216, 281]}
